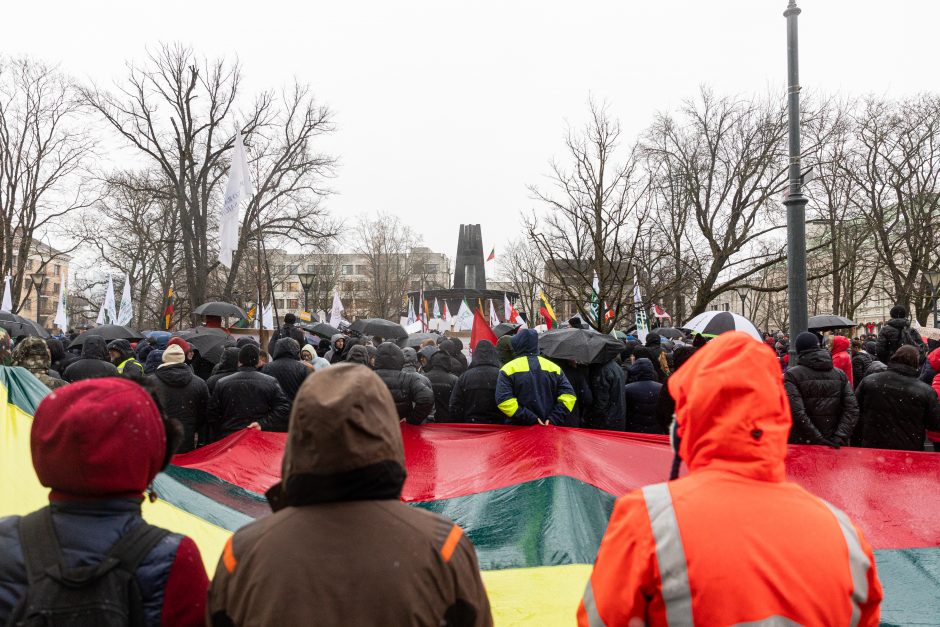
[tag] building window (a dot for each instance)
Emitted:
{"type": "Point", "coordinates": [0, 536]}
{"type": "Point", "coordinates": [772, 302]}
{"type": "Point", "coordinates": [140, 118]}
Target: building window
{"type": "Point", "coordinates": [430, 268]}
{"type": "Point", "coordinates": [58, 270]}
{"type": "Point", "coordinates": [292, 303]}
{"type": "Point", "coordinates": [349, 270]}
{"type": "Point", "coordinates": [311, 267]}
{"type": "Point", "coordinates": [360, 269]}
{"type": "Point", "coordinates": [27, 304]}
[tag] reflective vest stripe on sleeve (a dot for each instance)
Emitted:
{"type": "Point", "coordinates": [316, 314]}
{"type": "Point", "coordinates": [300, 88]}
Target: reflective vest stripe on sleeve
{"type": "Point", "coordinates": [590, 607]}
{"type": "Point", "coordinates": [670, 555]}
{"type": "Point", "coordinates": [859, 564]}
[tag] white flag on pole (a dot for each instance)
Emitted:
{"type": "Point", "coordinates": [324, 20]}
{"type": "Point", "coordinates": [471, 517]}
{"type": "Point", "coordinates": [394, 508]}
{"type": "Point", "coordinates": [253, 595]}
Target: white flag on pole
{"type": "Point", "coordinates": [464, 318]}
{"type": "Point", "coordinates": [267, 317]}
{"type": "Point", "coordinates": [110, 309]}
{"type": "Point", "coordinates": [642, 323]}
{"type": "Point", "coordinates": [61, 317]}
{"type": "Point", "coordinates": [7, 303]}
{"type": "Point", "coordinates": [411, 313]}
{"type": "Point", "coordinates": [238, 188]}
{"type": "Point", "coordinates": [336, 312]}
{"type": "Point", "coordinates": [494, 319]}
{"type": "Point", "coordinates": [126, 313]}
{"type": "Point", "coordinates": [437, 310]}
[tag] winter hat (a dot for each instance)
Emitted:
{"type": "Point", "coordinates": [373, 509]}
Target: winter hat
{"type": "Point", "coordinates": [100, 438]}
{"type": "Point", "coordinates": [172, 355]}
{"type": "Point", "coordinates": [806, 341]}
{"type": "Point", "coordinates": [319, 363]}
{"type": "Point", "coordinates": [290, 318]}
{"type": "Point", "coordinates": [246, 339]}
{"type": "Point", "coordinates": [898, 311]}
{"type": "Point", "coordinates": [178, 341]}
{"type": "Point", "coordinates": [653, 339]}
{"type": "Point", "coordinates": [504, 349]}
{"type": "Point", "coordinates": [907, 356]}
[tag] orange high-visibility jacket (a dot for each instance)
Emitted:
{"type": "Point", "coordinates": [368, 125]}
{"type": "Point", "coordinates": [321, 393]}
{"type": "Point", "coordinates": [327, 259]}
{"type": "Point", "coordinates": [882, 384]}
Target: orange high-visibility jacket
{"type": "Point", "coordinates": [733, 543]}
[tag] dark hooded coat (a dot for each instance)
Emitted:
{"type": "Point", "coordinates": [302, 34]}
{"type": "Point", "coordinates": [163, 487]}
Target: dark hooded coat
{"type": "Point", "coordinates": [532, 388]}
{"type": "Point", "coordinates": [607, 388]}
{"type": "Point", "coordinates": [414, 400]}
{"type": "Point", "coordinates": [94, 363]}
{"type": "Point", "coordinates": [61, 359]}
{"type": "Point", "coordinates": [894, 334]}
{"type": "Point", "coordinates": [641, 398]}
{"type": "Point", "coordinates": [184, 397]}
{"type": "Point", "coordinates": [366, 558]}
{"type": "Point", "coordinates": [821, 400]}
{"type": "Point", "coordinates": [226, 366]}
{"type": "Point", "coordinates": [896, 409]}
{"type": "Point", "coordinates": [458, 360]}
{"type": "Point", "coordinates": [442, 384]}
{"type": "Point", "coordinates": [286, 366]}
{"type": "Point", "coordinates": [243, 398]}
{"type": "Point", "coordinates": [474, 396]}
{"type": "Point", "coordinates": [127, 363]}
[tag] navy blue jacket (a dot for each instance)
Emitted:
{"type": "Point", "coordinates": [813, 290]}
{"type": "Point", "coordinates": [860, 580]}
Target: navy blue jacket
{"type": "Point", "coordinates": [642, 398]}
{"type": "Point", "coordinates": [86, 531]}
{"type": "Point", "coordinates": [531, 387]}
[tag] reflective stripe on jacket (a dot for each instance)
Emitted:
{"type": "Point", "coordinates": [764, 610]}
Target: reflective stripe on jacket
{"type": "Point", "coordinates": [734, 542]}
{"type": "Point", "coordinates": [531, 388]}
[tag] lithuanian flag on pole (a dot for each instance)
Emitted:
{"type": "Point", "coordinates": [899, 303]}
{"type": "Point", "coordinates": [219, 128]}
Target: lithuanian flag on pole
{"type": "Point", "coordinates": [534, 500]}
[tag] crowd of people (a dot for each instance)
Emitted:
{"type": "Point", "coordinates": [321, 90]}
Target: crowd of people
{"type": "Point", "coordinates": [117, 413]}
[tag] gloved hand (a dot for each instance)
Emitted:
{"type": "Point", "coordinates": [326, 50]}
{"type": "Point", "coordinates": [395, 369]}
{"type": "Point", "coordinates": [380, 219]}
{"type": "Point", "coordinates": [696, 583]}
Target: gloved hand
{"type": "Point", "coordinates": [833, 443]}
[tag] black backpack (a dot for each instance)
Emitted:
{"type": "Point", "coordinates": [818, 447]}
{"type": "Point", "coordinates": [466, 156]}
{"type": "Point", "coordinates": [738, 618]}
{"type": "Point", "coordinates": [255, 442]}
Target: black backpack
{"type": "Point", "coordinates": [103, 595]}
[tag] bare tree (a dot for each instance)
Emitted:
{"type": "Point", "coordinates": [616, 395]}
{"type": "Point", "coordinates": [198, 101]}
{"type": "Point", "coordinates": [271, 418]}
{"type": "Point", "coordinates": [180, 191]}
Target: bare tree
{"type": "Point", "coordinates": [44, 149]}
{"type": "Point", "coordinates": [386, 244]}
{"type": "Point", "coordinates": [593, 219]}
{"type": "Point", "coordinates": [895, 162]}
{"type": "Point", "coordinates": [522, 267]}
{"type": "Point", "coordinates": [178, 111]}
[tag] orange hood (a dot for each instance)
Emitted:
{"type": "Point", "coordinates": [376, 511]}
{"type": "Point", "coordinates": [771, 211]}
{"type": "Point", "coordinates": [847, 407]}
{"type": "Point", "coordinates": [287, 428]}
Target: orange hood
{"type": "Point", "coordinates": [732, 412]}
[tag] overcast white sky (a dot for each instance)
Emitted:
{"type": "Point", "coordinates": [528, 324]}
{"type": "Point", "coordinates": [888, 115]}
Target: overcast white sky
{"type": "Point", "coordinates": [446, 111]}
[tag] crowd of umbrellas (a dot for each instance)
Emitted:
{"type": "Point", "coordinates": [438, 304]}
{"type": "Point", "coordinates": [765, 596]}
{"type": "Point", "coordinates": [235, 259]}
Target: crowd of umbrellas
{"type": "Point", "coordinates": [582, 345]}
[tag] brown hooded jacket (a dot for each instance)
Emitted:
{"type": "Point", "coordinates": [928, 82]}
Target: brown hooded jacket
{"type": "Point", "coordinates": [341, 548]}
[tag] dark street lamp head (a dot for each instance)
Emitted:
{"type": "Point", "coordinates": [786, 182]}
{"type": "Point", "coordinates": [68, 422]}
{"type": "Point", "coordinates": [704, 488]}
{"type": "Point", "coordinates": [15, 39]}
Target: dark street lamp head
{"type": "Point", "coordinates": [37, 278]}
{"type": "Point", "coordinates": [933, 277]}
{"type": "Point", "coordinates": [306, 280]}
{"type": "Point", "coordinates": [792, 9]}
{"type": "Point", "coordinates": [742, 292]}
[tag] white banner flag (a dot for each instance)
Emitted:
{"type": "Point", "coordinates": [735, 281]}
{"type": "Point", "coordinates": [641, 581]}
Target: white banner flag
{"type": "Point", "coordinates": [126, 313]}
{"type": "Point", "coordinates": [7, 303]}
{"type": "Point", "coordinates": [267, 317]}
{"type": "Point", "coordinates": [464, 318]}
{"type": "Point", "coordinates": [494, 319]}
{"type": "Point", "coordinates": [437, 310]}
{"type": "Point", "coordinates": [110, 308]}
{"type": "Point", "coordinates": [61, 317]}
{"type": "Point", "coordinates": [642, 323]}
{"type": "Point", "coordinates": [238, 188]}
{"type": "Point", "coordinates": [336, 312]}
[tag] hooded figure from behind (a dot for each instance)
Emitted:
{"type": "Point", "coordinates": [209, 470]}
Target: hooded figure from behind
{"type": "Point", "coordinates": [366, 558]}
{"type": "Point", "coordinates": [671, 549]}
{"type": "Point", "coordinates": [183, 396]}
{"type": "Point", "coordinates": [124, 359]}
{"type": "Point", "coordinates": [474, 395]}
{"type": "Point", "coordinates": [413, 398]}
{"type": "Point", "coordinates": [31, 353]}
{"type": "Point", "coordinates": [533, 390]}
{"type": "Point", "coordinates": [442, 384]}
{"type": "Point", "coordinates": [61, 359]}
{"type": "Point", "coordinates": [97, 445]}
{"type": "Point", "coordinates": [895, 333]}
{"type": "Point", "coordinates": [286, 366]}
{"type": "Point", "coordinates": [227, 365]}
{"type": "Point", "coordinates": [95, 361]}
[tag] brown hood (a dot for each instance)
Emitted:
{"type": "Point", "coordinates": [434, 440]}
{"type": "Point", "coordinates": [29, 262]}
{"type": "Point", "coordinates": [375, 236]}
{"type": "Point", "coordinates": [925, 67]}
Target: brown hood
{"type": "Point", "coordinates": [344, 441]}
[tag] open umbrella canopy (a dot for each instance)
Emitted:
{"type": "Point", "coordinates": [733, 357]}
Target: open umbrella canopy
{"type": "Point", "coordinates": [108, 332]}
{"type": "Point", "coordinates": [506, 328]}
{"type": "Point", "coordinates": [713, 323]}
{"type": "Point", "coordinates": [208, 341]}
{"type": "Point", "coordinates": [220, 309]}
{"type": "Point", "coordinates": [828, 322]}
{"type": "Point", "coordinates": [414, 340]}
{"type": "Point", "coordinates": [17, 325]}
{"type": "Point", "coordinates": [582, 345]}
{"type": "Point", "coordinates": [669, 332]}
{"type": "Point", "coordinates": [321, 329]}
{"type": "Point", "coordinates": [379, 326]}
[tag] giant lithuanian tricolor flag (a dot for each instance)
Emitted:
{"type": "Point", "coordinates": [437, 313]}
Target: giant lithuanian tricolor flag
{"type": "Point", "coordinates": [534, 500]}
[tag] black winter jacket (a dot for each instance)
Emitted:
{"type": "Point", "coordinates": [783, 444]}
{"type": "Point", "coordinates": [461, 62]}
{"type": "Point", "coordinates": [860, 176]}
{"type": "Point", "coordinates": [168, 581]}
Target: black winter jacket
{"type": "Point", "coordinates": [127, 364]}
{"type": "Point", "coordinates": [60, 358]}
{"type": "Point", "coordinates": [474, 396]}
{"type": "Point", "coordinates": [185, 397]}
{"type": "Point", "coordinates": [608, 411]}
{"type": "Point", "coordinates": [226, 366]}
{"type": "Point", "coordinates": [442, 384]}
{"type": "Point", "coordinates": [243, 398]}
{"type": "Point", "coordinates": [94, 363]}
{"type": "Point", "coordinates": [822, 403]}
{"type": "Point", "coordinates": [286, 331]}
{"type": "Point", "coordinates": [897, 409]}
{"type": "Point", "coordinates": [579, 377]}
{"type": "Point", "coordinates": [641, 398]}
{"type": "Point", "coordinates": [894, 334]}
{"type": "Point", "coordinates": [860, 363]}
{"type": "Point", "coordinates": [286, 367]}
{"type": "Point", "coordinates": [414, 400]}
{"type": "Point", "coordinates": [458, 361]}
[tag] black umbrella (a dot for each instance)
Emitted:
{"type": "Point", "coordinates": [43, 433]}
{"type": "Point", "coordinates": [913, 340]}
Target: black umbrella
{"type": "Point", "coordinates": [828, 323]}
{"type": "Point", "coordinates": [108, 332]}
{"type": "Point", "coordinates": [321, 329]}
{"type": "Point", "coordinates": [220, 309]}
{"type": "Point", "coordinates": [582, 345]}
{"type": "Point", "coordinates": [17, 325]}
{"type": "Point", "coordinates": [506, 328]}
{"type": "Point", "coordinates": [414, 340]}
{"type": "Point", "coordinates": [379, 326]}
{"type": "Point", "coordinates": [713, 323]}
{"type": "Point", "coordinates": [670, 332]}
{"type": "Point", "coordinates": [208, 341]}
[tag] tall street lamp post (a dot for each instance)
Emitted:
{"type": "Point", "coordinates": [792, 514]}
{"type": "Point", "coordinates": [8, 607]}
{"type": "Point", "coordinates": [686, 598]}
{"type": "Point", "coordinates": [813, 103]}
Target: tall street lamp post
{"type": "Point", "coordinates": [37, 278]}
{"type": "Point", "coordinates": [742, 293]}
{"type": "Point", "coordinates": [795, 201]}
{"type": "Point", "coordinates": [933, 278]}
{"type": "Point", "coordinates": [306, 282]}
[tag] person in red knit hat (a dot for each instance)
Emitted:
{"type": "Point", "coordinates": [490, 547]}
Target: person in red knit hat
{"type": "Point", "coordinates": [97, 445]}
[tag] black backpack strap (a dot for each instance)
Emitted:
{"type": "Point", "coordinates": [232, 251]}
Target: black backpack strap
{"type": "Point", "coordinates": [39, 543]}
{"type": "Point", "coordinates": [131, 549]}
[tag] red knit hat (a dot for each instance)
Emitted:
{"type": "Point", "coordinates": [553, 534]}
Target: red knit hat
{"type": "Point", "coordinates": [99, 438]}
{"type": "Point", "coordinates": [181, 343]}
